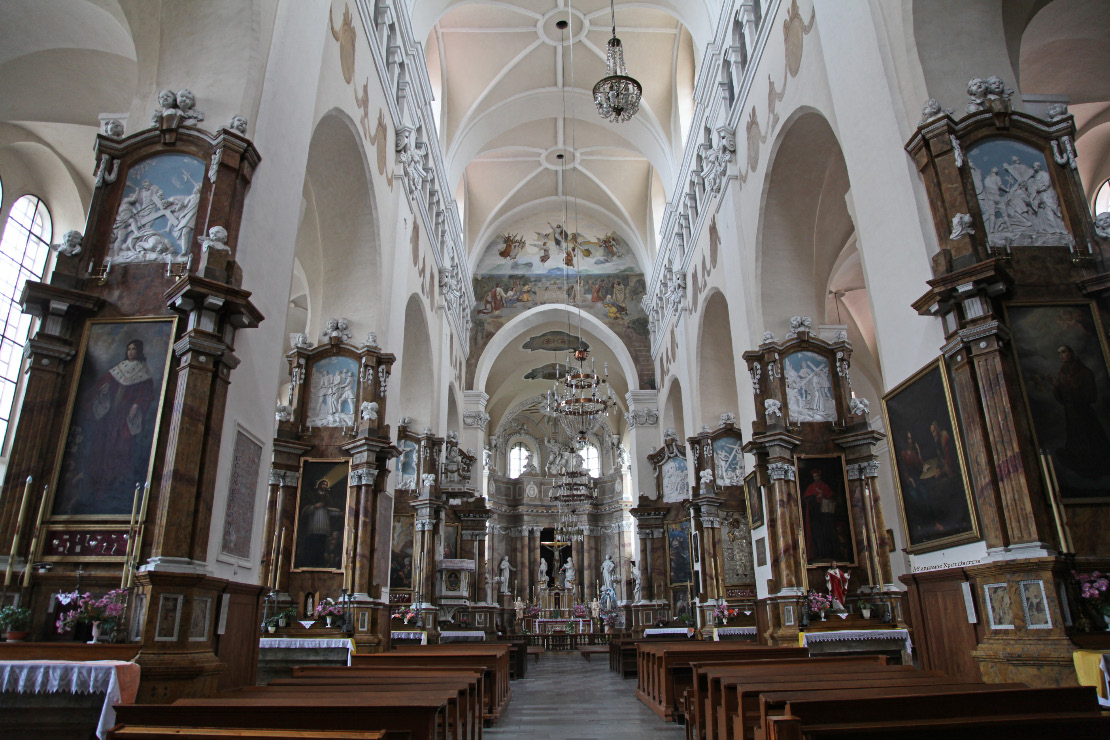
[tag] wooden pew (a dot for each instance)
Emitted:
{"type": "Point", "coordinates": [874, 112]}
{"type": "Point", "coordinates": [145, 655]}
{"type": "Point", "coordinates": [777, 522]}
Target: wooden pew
{"type": "Point", "coordinates": [664, 668]}
{"type": "Point", "coordinates": [467, 683]}
{"type": "Point", "coordinates": [493, 659]}
{"type": "Point", "coordinates": [841, 707]}
{"type": "Point", "coordinates": [133, 732]}
{"type": "Point", "coordinates": [1071, 725]}
{"type": "Point", "coordinates": [622, 657]}
{"type": "Point", "coordinates": [707, 677]}
{"type": "Point", "coordinates": [409, 716]}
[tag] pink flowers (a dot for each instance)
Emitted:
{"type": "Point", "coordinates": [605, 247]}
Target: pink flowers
{"type": "Point", "coordinates": [1092, 585]}
{"type": "Point", "coordinates": [107, 608]}
{"type": "Point", "coordinates": [405, 614]}
{"type": "Point", "coordinates": [818, 602]}
{"type": "Point", "coordinates": [328, 607]}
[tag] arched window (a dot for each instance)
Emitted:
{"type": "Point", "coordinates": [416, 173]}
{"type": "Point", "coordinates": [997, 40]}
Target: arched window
{"type": "Point", "coordinates": [592, 459]}
{"type": "Point", "coordinates": [1102, 198]}
{"type": "Point", "coordinates": [24, 247]}
{"type": "Point", "coordinates": [518, 458]}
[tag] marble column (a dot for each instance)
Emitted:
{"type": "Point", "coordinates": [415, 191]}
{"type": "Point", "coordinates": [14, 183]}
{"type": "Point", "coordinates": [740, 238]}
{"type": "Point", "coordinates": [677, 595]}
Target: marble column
{"type": "Point", "coordinates": [787, 561]}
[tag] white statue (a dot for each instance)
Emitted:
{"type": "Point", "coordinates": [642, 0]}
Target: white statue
{"type": "Point", "coordinates": [1102, 224]}
{"type": "Point", "coordinates": [859, 406]}
{"type": "Point", "coordinates": [299, 339]}
{"type": "Point", "coordinates": [71, 244]}
{"type": "Point", "coordinates": [932, 110]}
{"type": "Point", "coordinates": [728, 418]}
{"type": "Point", "coordinates": [216, 240]}
{"type": "Point", "coordinates": [284, 413]}
{"type": "Point", "coordinates": [529, 466]}
{"type": "Point", "coordinates": [113, 127]}
{"type": "Point", "coordinates": [976, 95]}
{"type": "Point", "coordinates": [637, 584]}
{"type": "Point", "coordinates": [186, 104]}
{"type": "Point", "coordinates": [339, 327]}
{"type": "Point", "coordinates": [962, 225]}
{"type": "Point", "coordinates": [568, 573]}
{"type": "Point", "coordinates": [768, 337]}
{"type": "Point", "coordinates": [237, 123]}
{"type": "Point", "coordinates": [1056, 111]}
{"type": "Point", "coordinates": [607, 568]}
{"type": "Point", "coordinates": [427, 480]}
{"type": "Point", "coordinates": [518, 607]}
{"type": "Point", "coordinates": [167, 105]}
{"type": "Point", "coordinates": [595, 608]}
{"type": "Point", "coordinates": [506, 568]}
{"type": "Point", "coordinates": [542, 578]}
{"type": "Point", "coordinates": [772, 408]}
{"type": "Point", "coordinates": [369, 411]}
{"type": "Point", "coordinates": [371, 340]}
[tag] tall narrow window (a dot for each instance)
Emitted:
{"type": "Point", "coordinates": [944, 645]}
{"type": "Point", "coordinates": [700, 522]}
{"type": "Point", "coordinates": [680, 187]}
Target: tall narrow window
{"type": "Point", "coordinates": [24, 247]}
{"type": "Point", "coordinates": [592, 459]}
{"type": "Point", "coordinates": [518, 458]}
{"type": "Point", "coordinates": [1102, 198]}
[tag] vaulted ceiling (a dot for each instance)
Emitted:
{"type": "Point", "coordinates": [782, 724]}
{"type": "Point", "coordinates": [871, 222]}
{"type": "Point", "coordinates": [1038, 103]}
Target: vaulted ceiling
{"type": "Point", "coordinates": [514, 93]}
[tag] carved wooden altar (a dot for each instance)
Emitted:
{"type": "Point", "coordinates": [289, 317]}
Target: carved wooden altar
{"type": "Point", "coordinates": [1020, 287]}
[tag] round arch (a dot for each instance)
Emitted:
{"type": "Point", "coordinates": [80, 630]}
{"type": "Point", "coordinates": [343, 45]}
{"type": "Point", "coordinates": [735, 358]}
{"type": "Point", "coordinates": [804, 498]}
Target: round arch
{"type": "Point", "coordinates": [415, 367]}
{"type": "Point", "coordinates": [716, 362]}
{"type": "Point", "coordinates": [544, 314]}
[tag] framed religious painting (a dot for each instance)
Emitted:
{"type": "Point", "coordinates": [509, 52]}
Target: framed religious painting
{"type": "Point", "coordinates": [809, 389]}
{"type": "Point", "coordinates": [753, 492]}
{"type": "Point", "coordinates": [450, 542]}
{"type": "Point", "coordinates": [679, 568]}
{"type": "Point", "coordinates": [406, 466]}
{"type": "Point", "coordinates": [400, 555]}
{"type": "Point", "coordinates": [1061, 355]}
{"type": "Point", "coordinates": [934, 495]}
{"type": "Point", "coordinates": [680, 602]}
{"type": "Point", "coordinates": [826, 514]}
{"type": "Point", "coordinates": [113, 417]}
{"type": "Point", "coordinates": [320, 530]}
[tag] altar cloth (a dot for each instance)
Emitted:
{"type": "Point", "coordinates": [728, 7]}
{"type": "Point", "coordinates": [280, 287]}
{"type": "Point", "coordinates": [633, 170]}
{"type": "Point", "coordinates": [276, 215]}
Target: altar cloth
{"type": "Point", "coordinates": [462, 636]}
{"type": "Point", "coordinates": [409, 635]}
{"type": "Point", "coordinates": [719, 632]}
{"type": "Point", "coordinates": [117, 679]}
{"type": "Point", "coordinates": [805, 639]}
{"type": "Point", "coordinates": [300, 643]}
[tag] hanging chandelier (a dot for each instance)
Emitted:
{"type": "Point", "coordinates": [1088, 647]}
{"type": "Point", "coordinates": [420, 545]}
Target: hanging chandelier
{"type": "Point", "coordinates": [582, 395]}
{"type": "Point", "coordinates": [617, 96]}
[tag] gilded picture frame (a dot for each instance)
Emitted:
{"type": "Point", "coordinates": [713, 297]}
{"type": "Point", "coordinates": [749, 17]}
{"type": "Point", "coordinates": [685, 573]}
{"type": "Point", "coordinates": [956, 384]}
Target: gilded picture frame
{"type": "Point", "coordinates": [113, 417]}
{"type": "Point", "coordinates": [680, 566]}
{"type": "Point", "coordinates": [753, 496]}
{"type": "Point", "coordinates": [827, 523]}
{"type": "Point", "coordinates": [927, 457]}
{"type": "Point", "coordinates": [320, 531]}
{"type": "Point", "coordinates": [1064, 367]}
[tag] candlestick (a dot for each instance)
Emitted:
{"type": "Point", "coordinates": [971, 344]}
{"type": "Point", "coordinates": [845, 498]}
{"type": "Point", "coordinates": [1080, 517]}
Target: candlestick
{"type": "Point", "coordinates": [35, 539]}
{"type": "Point", "coordinates": [129, 550]}
{"type": "Point", "coordinates": [15, 535]}
{"type": "Point", "coordinates": [281, 546]}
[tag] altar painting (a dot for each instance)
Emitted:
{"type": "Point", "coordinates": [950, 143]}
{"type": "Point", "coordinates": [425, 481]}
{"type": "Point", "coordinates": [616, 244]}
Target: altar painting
{"type": "Point", "coordinates": [400, 555]}
{"type": "Point", "coordinates": [728, 461]}
{"type": "Point", "coordinates": [737, 548]}
{"type": "Point", "coordinates": [155, 218]}
{"type": "Point", "coordinates": [680, 602]}
{"type": "Point", "coordinates": [826, 515]}
{"type": "Point", "coordinates": [320, 529]}
{"type": "Point", "coordinates": [114, 416]}
{"type": "Point", "coordinates": [809, 391]}
{"type": "Point", "coordinates": [1064, 374]}
{"type": "Point", "coordinates": [333, 392]}
{"type": "Point", "coordinates": [753, 492]}
{"type": "Point", "coordinates": [678, 552]}
{"type": "Point", "coordinates": [933, 491]}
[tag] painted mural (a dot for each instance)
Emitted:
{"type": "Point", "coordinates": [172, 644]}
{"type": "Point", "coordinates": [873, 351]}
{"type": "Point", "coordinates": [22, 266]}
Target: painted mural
{"type": "Point", "coordinates": [538, 261]}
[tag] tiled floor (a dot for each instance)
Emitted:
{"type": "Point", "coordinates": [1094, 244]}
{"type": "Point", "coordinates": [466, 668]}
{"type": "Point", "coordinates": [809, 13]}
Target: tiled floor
{"type": "Point", "coordinates": [565, 698]}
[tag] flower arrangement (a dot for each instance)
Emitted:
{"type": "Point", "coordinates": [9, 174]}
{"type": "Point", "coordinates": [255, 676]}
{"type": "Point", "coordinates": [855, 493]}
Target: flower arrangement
{"type": "Point", "coordinates": [532, 611]}
{"type": "Point", "coordinates": [406, 614]}
{"type": "Point", "coordinates": [108, 608]}
{"type": "Point", "coordinates": [723, 613]}
{"type": "Point", "coordinates": [580, 611]}
{"type": "Point", "coordinates": [1094, 589]}
{"type": "Point", "coordinates": [818, 602]}
{"type": "Point", "coordinates": [328, 608]}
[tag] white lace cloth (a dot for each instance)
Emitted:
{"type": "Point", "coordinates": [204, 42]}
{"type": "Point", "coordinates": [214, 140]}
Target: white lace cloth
{"type": "Point", "coordinates": [718, 632]}
{"type": "Point", "coordinates": [410, 635]}
{"type": "Point", "coordinates": [462, 636]}
{"type": "Point", "coordinates": [309, 642]}
{"type": "Point", "coordinates": [810, 638]}
{"type": "Point", "coordinates": [685, 631]}
{"type": "Point", "coordinates": [66, 677]}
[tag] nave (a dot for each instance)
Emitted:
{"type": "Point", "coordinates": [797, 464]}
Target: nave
{"type": "Point", "coordinates": [564, 697]}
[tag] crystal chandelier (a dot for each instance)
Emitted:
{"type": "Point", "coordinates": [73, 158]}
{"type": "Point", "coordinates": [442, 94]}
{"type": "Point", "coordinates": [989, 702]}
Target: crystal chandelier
{"type": "Point", "coordinates": [617, 96]}
{"type": "Point", "coordinates": [581, 396]}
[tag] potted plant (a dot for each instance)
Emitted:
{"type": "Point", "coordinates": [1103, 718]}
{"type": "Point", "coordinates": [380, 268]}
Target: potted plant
{"type": "Point", "coordinates": [104, 613]}
{"type": "Point", "coordinates": [329, 609]}
{"type": "Point", "coordinates": [865, 608]}
{"type": "Point", "coordinates": [15, 622]}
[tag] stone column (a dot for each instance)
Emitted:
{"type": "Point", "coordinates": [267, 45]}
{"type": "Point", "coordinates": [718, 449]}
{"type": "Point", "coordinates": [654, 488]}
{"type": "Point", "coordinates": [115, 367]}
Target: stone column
{"type": "Point", "coordinates": [363, 546]}
{"type": "Point", "coordinates": [473, 434]}
{"type": "Point", "coordinates": [787, 561]}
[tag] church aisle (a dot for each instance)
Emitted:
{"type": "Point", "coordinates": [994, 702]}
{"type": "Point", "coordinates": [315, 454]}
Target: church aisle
{"type": "Point", "coordinates": [564, 697]}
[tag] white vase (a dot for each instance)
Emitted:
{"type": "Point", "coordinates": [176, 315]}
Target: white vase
{"type": "Point", "coordinates": [865, 613]}
{"type": "Point", "coordinates": [328, 619]}
{"type": "Point", "coordinates": [95, 633]}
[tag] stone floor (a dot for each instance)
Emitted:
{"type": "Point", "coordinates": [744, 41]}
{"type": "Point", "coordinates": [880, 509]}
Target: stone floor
{"type": "Point", "coordinates": [564, 697]}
